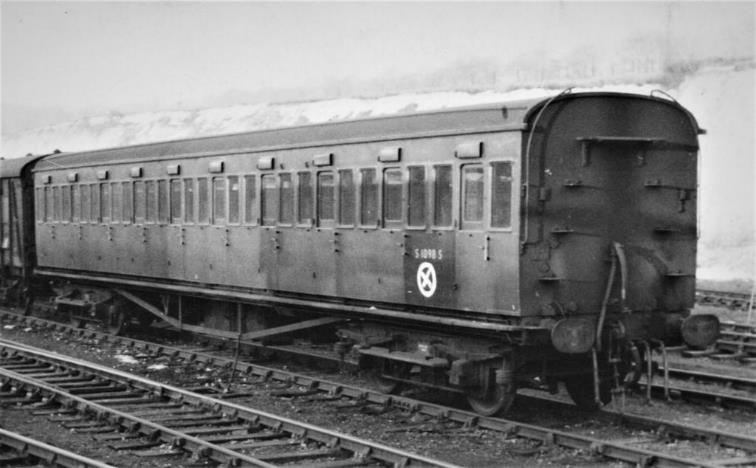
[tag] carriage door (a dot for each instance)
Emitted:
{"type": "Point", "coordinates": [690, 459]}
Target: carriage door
{"type": "Point", "coordinates": [485, 246]}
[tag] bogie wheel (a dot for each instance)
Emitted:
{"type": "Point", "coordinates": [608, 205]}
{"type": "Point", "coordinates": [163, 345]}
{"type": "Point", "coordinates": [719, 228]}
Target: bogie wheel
{"type": "Point", "coordinates": [76, 322]}
{"type": "Point", "coordinates": [74, 317]}
{"type": "Point", "coordinates": [496, 395]}
{"type": "Point", "coordinates": [581, 390]}
{"type": "Point", "coordinates": [145, 319]}
{"type": "Point", "coordinates": [115, 320]}
{"type": "Point", "coordinates": [379, 376]}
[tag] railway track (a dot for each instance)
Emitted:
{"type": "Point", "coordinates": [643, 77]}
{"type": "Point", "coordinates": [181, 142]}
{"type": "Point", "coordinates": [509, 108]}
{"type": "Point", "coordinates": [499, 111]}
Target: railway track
{"type": "Point", "coordinates": [719, 392]}
{"type": "Point", "coordinates": [20, 451]}
{"type": "Point", "coordinates": [731, 300]}
{"type": "Point", "coordinates": [307, 385]}
{"type": "Point", "coordinates": [129, 412]}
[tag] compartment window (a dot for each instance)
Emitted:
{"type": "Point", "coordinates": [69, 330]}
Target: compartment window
{"type": "Point", "coordinates": [250, 199]}
{"type": "Point", "coordinates": [151, 199]}
{"type": "Point", "coordinates": [94, 191]}
{"type": "Point", "coordinates": [49, 204]}
{"type": "Point", "coordinates": [66, 202]}
{"type": "Point", "coordinates": [189, 201]}
{"type": "Point", "coordinates": [84, 203]}
{"type": "Point", "coordinates": [140, 204]}
{"type": "Point", "coordinates": [472, 182]}
{"type": "Point", "coordinates": [163, 201]}
{"type": "Point", "coordinates": [117, 202]}
{"type": "Point", "coordinates": [269, 200]}
{"type": "Point", "coordinates": [442, 196]}
{"type": "Point", "coordinates": [392, 195]}
{"type": "Point", "coordinates": [202, 204]}
{"type": "Point", "coordinates": [501, 195]}
{"type": "Point", "coordinates": [56, 198]}
{"type": "Point", "coordinates": [368, 197]}
{"type": "Point", "coordinates": [304, 198]}
{"type": "Point", "coordinates": [286, 206]}
{"type": "Point", "coordinates": [346, 197]}
{"type": "Point", "coordinates": [128, 202]}
{"type": "Point", "coordinates": [416, 193]}
{"type": "Point", "coordinates": [105, 203]}
{"type": "Point", "coordinates": [75, 203]}
{"type": "Point", "coordinates": [326, 192]}
{"type": "Point", "coordinates": [219, 200]}
{"type": "Point", "coordinates": [233, 199]}
{"type": "Point", "coordinates": [40, 208]}
{"type": "Point", "coordinates": [176, 201]}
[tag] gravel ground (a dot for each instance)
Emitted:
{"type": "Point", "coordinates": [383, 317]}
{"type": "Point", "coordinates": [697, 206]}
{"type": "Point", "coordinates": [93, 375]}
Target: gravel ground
{"type": "Point", "coordinates": [465, 447]}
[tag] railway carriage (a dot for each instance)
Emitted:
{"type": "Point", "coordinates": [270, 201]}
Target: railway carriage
{"type": "Point", "coordinates": [476, 250]}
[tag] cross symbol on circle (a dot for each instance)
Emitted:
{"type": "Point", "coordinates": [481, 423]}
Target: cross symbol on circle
{"type": "Point", "coordinates": [426, 279]}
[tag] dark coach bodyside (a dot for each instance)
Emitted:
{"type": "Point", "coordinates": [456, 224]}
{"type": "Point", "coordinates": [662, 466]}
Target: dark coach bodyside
{"type": "Point", "coordinates": [416, 213]}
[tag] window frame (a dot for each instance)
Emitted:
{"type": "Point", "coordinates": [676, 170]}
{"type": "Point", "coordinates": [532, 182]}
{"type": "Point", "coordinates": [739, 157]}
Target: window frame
{"type": "Point", "coordinates": [378, 198]}
{"type": "Point", "coordinates": [39, 207]}
{"type": "Point", "coordinates": [393, 223]}
{"type": "Point", "coordinates": [66, 209]}
{"type": "Point", "coordinates": [251, 206]}
{"type": "Point", "coordinates": [85, 209]}
{"type": "Point", "coordinates": [340, 199]}
{"type": "Point", "coordinates": [513, 196]}
{"type": "Point", "coordinates": [208, 201]}
{"type": "Point", "coordinates": [164, 215]}
{"type": "Point", "coordinates": [94, 203]}
{"type": "Point", "coordinates": [57, 204]}
{"type": "Point", "coordinates": [293, 199]}
{"type": "Point", "coordinates": [147, 218]}
{"type": "Point", "coordinates": [326, 223]}
{"type": "Point", "coordinates": [311, 220]}
{"type": "Point", "coordinates": [116, 187]}
{"type": "Point", "coordinates": [105, 207]}
{"type": "Point", "coordinates": [127, 200]}
{"type": "Point", "coordinates": [172, 218]}
{"type": "Point", "coordinates": [262, 199]}
{"type": "Point", "coordinates": [216, 220]}
{"type": "Point", "coordinates": [473, 225]}
{"type": "Point", "coordinates": [184, 198]}
{"type": "Point", "coordinates": [140, 202]}
{"type": "Point", "coordinates": [408, 198]}
{"type": "Point", "coordinates": [239, 201]}
{"type": "Point", "coordinates": [433, 212]}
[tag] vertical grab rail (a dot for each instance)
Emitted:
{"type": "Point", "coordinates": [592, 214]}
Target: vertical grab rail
{"type": "Point", "coordinates": [526, 178]}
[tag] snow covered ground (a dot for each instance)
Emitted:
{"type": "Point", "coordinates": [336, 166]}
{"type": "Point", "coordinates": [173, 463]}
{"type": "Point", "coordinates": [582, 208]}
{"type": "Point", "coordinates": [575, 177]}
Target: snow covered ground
{"type": "Point", "coordinates": [722, 99]}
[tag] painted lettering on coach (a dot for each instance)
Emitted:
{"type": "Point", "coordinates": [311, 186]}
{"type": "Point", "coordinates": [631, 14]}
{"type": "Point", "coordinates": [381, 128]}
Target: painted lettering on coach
{"type": "Point", "coordinates": [429, 269]}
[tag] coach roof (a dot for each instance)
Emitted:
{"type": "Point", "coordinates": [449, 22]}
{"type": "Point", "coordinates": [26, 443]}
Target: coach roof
{"type": "Point", "coordinates": [448, 121]}
{"type": "Point", "coordinates": [12, 167]}
{"type": "Point", "coordinates": [511, 115]}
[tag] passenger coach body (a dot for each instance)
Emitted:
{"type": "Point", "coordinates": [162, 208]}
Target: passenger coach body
{"type": "Point", "coordinates": [411, 219]}
{"type": "Point", "coordinates": [474, 250]}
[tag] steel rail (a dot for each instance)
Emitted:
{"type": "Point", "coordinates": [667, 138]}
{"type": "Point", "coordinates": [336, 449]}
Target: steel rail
{"type": "Point", "coordinates": [724, 399]}
{"type": "Point", "coordinates": [731, 300]}
{"type": "Point", "coordinates": [356, 445]}
{"type": "Point", "coordinates": [375, 397]}
{"type": "Point", "coordinates": [614, 450]}
{"type": "Point", "coordinates": [49, 454]}
{"type": "Point", "coordinates": [663, 426]}
{"type": "Point", "coordinates": [144, 426]}
{"type": "Point", "coordinates": [689, 372]}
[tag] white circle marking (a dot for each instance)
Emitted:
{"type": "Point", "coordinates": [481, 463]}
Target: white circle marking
{"type": "Point", "coordinates": [426, 279]}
